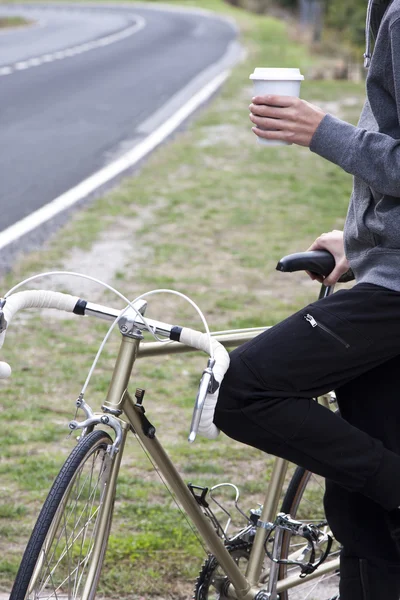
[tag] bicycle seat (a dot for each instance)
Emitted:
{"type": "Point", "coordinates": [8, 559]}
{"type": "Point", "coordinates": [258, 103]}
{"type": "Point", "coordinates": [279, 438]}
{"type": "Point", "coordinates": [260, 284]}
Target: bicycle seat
{"type": "Point", "coordinates": [320, 262]}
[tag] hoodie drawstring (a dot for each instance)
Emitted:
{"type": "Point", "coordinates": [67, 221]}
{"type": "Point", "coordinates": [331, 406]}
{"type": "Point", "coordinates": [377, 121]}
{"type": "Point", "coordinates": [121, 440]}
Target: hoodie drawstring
{"type": "Point", "coordinates": [367, 54]}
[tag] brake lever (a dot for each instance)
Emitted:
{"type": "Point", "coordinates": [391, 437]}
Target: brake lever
{"type": "Point", "coordinates": [3, 322]}
{"type": "Point", "coordinates": [207, 385]}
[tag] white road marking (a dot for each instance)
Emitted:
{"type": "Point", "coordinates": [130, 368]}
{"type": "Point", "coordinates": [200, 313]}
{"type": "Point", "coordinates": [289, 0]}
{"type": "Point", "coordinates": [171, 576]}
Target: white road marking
{"type": "Point", "coordinates": [128, 160]}
{"type": "Point", "coordinates": [36, 61]}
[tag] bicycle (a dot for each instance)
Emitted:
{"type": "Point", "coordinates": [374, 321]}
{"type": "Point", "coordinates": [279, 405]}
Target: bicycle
{"type": "Point", "coordinates": [275, 555]}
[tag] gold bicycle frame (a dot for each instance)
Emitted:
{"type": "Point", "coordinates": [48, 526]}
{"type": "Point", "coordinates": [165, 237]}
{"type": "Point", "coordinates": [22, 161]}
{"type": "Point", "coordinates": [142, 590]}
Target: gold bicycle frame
{"type": "Point", "coordinates": [243, 587]}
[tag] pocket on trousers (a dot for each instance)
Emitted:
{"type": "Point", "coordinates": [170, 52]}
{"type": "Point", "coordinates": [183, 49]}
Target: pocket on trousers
{"type": "Point", "coordinates": [310, 349]}
{"type": "Point", "coordinates": [336, 329]}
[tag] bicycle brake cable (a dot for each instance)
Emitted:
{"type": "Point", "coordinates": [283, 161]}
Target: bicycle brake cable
{"type": "Point", "coordinates": [191, 527]}
{"type": "Point", "coordinates": [130, 304]}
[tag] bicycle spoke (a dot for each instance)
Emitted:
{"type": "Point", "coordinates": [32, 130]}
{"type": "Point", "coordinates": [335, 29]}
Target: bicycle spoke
{"type": "Point", "coordinates": [69, 545]}
{"type": "Point", "coordinates": [85, 532]}
{"type": "Point", "coordinates": [67, 553]}
{"type": "Point", "coordinates": [55, 592]}
{"type": "Point", "coordinates": [73, 510]}
{"type": "Point", "coordinates": [298, 594]}
{"type": "Point", "coordinates": [70, 540]}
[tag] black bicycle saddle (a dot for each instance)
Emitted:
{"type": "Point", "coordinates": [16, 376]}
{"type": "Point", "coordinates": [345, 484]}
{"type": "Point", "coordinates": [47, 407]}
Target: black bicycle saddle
{"type": "Point", "coordinates": [320, 262]}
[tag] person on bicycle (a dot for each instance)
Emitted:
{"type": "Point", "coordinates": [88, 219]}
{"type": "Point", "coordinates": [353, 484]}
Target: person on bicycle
{"type": "Point", "coordinates": [350, 341]}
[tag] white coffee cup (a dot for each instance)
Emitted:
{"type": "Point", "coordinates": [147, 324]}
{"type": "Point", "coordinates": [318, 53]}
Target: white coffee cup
{"type": "Point", "coordinates": [276, 82]}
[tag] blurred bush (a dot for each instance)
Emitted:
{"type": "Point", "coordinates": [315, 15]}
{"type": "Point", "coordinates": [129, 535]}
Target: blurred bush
{"type": "Point", "coordinates": [348, 17]}
{"type": "Point", "coordinates": [338, 24]}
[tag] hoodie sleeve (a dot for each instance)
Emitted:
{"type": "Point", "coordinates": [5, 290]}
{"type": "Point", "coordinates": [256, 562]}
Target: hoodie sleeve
{"type": "Point", "coordinates": [371, 156]}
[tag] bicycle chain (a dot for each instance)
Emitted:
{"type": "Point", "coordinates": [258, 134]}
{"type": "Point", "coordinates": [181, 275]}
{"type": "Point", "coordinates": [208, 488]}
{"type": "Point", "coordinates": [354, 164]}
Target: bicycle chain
{"type": "Point", "coordinates": [205, 578]}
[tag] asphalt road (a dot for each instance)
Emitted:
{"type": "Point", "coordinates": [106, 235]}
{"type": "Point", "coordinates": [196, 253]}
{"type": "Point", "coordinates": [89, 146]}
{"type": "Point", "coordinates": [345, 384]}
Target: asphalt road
{"type": "Point", "coordinates": [84, 85]}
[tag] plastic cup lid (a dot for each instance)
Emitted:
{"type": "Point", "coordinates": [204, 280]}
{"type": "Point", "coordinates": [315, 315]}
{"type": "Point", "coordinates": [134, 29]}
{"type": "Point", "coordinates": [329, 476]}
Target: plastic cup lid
{"type": "Point", "coordinates": [276, 74]}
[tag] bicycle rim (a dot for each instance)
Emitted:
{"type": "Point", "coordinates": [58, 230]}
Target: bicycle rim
{"type": "Point", "coordinates": [304, 501]}
{"type": "Point", "coordinates": [57, 560]}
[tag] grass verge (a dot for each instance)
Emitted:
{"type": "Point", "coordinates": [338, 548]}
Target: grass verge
{"type": "Point", "coordinates": [209, 214]}
{"type": "Point", "coordinates": [13, 22]}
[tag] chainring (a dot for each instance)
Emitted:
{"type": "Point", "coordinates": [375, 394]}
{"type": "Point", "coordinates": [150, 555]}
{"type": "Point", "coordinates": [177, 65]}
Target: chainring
{"type": "Point", "coordinates": [210, 580]}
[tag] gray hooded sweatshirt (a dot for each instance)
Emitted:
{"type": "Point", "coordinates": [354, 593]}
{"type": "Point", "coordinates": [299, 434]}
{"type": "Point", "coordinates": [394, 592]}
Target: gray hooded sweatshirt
{"type": "Point", "coordinates": [371, 152]}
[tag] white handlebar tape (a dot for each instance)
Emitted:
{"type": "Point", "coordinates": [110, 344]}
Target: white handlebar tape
{"type": "Point", "coordinates": [32, 299]}
{"type": "Point", "coordinates": [5, 370]}
{"type": "Point", "coordinates": [198, 340]}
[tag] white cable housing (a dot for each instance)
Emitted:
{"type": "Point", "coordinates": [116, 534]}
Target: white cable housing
{"type": "Point", "coordinates": [195, 339]}
{"type": "Point", "coordinates": [201, 341]}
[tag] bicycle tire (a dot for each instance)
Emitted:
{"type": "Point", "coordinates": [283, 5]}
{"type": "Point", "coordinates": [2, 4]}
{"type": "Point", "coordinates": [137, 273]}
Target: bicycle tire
{"type": "Point", "coordinates": [84, 472]}
{"type": "Point", "coordinates": [326, 587]}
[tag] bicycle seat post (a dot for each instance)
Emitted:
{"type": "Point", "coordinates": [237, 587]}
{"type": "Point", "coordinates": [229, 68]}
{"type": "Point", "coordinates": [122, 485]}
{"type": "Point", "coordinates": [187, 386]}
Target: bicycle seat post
{"type": "Point", "coordinates": [325, 291]}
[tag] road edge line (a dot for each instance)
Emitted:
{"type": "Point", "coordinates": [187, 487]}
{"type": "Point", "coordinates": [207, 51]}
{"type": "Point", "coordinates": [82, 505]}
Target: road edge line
{"type": "Point", "coordinates": [111, 171]}
{"type": "Point", "coordinates": [48, 57]}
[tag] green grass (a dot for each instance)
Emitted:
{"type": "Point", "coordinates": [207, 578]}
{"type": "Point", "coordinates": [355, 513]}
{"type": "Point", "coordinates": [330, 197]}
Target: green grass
{"type": "Point", "coordinates": [10, 511]}
{"type": "Point", "coordinates": [13, 22]}
{"type": "Point", "coordinates": [209, 214]}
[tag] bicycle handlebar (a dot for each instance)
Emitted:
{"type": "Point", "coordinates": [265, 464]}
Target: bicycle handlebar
{"type": "Point", "coordinates": [206, 400]}
{"type": "Point", "coordinates": [30, 299]}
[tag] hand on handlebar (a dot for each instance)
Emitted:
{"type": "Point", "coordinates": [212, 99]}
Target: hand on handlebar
{"type": "Point", "coordinates": [333, 242]}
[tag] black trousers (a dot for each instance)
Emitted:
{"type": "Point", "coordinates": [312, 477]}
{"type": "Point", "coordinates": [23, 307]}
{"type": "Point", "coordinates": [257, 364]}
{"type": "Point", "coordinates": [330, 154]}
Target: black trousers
{"type": "Point", "coordinates": [349, 342]}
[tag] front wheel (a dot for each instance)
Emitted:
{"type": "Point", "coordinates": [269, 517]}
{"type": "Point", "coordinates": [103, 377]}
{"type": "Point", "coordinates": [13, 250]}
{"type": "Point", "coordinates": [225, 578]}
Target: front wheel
{"type": "Point", "coordinates": [59, 555]}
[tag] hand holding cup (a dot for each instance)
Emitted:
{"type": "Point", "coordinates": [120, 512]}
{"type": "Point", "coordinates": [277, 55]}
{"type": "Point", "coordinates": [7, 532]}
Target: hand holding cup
{"type": "Point", "coordinates": [279, 116]}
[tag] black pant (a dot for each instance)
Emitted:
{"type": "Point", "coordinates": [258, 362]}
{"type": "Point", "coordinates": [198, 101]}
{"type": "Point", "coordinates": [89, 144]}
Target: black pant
{"type": "Point", "coordinates": [349, 342]}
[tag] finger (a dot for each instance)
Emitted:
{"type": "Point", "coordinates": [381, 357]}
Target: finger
{"type": "Point", "coordinates": [317, 245]}
{"type": "Point", "coordinates": [271, 135]}
{"type": "Point", "coordinates": [316, 277]}
{"type": "Point", "coordinates": [340, 268]}
{"type": "Point", "coordinates": [283, 101]}
{"type": "Point", "coordinates": [334, 276]}
{"type": "Point", "coordinates": [267, 123]}
{"type": "Point", "coordinates": [263, 110]}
